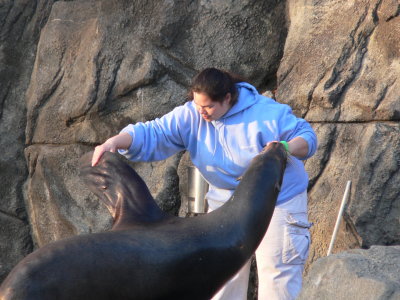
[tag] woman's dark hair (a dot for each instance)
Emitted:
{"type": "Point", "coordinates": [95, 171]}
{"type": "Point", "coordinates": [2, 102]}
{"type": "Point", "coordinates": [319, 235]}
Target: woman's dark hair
{"type": "Point", "coordinates": [215, 84]}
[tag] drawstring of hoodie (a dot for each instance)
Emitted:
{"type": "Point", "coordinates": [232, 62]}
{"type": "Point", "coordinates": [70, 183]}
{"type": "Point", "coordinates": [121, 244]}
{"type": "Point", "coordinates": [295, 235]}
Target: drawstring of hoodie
{"type": "Point", "coordinates": [222, 140]}
{"type": "Point", "coordinates": [215, 137]}
{"type": "Point", "coordinates": [228, 150]}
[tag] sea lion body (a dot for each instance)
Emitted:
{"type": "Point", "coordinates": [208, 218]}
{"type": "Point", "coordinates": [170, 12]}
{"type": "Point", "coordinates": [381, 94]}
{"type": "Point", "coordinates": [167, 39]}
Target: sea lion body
{"type": "Point", "coordinates": [149, 254]}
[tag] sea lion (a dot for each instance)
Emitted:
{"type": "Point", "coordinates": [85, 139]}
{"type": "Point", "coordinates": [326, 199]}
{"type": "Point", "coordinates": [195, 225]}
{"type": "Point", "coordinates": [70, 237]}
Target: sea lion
{"type": "Point", "coordinates": [149, 254]}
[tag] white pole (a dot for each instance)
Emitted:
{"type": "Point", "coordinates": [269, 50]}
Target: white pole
{"type": "Point", "coordinates": [339, 217]}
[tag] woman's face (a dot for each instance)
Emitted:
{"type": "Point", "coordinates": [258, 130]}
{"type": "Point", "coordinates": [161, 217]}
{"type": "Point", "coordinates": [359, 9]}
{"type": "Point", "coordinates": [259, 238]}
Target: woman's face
{"type": "Point", "coordinates": [211, 110]}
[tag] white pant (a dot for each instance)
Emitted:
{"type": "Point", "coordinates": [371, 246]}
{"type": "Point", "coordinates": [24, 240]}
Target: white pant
{"type": "Point", "coordinates": [280, 256]}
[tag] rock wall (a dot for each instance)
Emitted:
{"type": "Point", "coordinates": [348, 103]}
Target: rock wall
{"type": "Point", "coordinates": [340, 71]}
{"type": "Point", "coordinates": [20, 25]}
{"type": "Point", "coordinates": [74, 73]}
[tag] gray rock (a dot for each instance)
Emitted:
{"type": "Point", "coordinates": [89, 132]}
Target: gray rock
{"type": "Point", "coordinates": [369, 156]}
{"type": "Point", "coordinates": [103, 64]}
{"type": "Point", "coordinates": [21, 22]}
{"type": "Point", "coordinates": [15, 242]}
{"type": "Point", "coordinates": [342, 67]}
{"type": "Point", "coordinates": [355, 274]}
{"type": "Point", "coordinates": [339, 71]}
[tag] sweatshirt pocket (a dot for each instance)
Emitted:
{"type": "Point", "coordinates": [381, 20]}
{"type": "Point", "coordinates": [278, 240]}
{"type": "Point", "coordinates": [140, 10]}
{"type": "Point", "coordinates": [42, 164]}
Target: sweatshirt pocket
{"type": "Point", "coordinates": [296, 240]}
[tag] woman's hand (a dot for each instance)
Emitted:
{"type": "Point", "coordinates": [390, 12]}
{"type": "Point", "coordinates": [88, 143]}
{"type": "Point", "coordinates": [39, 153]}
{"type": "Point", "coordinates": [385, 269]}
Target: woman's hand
{"type": "Point", "coordinates": [298, 147]}
{"type": "Point", "coordinates": [120, 141]}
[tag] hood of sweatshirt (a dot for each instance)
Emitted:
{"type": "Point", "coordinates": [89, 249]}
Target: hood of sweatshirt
{"type": "Point", "coordinates": [247, 97]}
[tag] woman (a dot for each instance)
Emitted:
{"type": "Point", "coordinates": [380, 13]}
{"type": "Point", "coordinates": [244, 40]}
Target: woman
{"type": "Point", "coordinates": [225, 125]}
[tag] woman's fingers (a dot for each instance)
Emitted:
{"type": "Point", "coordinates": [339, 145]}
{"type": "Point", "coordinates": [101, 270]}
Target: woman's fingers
{"type": "Point", "coordinates": [99, 151]}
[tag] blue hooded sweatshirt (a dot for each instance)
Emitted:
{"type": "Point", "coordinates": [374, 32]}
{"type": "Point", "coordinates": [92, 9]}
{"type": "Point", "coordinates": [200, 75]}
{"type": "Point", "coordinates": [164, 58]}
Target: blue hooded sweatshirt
{"type": "Point", "coordinates": [222, 149]}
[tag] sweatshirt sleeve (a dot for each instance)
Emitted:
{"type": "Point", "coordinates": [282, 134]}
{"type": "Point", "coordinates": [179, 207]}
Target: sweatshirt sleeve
{"type": "Point", "coordinates": [158, 139]}
{"type": "Point", "coordinates": [292, 126]}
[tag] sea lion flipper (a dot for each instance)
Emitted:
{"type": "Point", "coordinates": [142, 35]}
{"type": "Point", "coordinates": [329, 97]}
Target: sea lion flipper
{"type": "Point", "coordinates": [121, 189]}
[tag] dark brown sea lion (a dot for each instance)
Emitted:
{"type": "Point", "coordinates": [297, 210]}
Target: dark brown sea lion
{"type": "Point", "coordinates": [148, 254]}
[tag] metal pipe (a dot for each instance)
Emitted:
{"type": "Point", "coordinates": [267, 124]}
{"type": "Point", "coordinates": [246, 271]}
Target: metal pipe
{"type": "Point", "coordinates": [197, 190]}
{"type": "Point", "coordinates": [339, 217]}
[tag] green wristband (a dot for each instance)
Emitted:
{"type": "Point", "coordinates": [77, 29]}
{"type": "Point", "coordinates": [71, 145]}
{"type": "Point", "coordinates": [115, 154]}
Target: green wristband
{"type": "Point", "coordinates": [286, 145]}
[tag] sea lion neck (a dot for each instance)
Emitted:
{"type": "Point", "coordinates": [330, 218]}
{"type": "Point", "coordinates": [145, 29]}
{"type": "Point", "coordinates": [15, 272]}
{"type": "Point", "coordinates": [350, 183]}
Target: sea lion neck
{"type": "Point", "coordinates": [250, 208]}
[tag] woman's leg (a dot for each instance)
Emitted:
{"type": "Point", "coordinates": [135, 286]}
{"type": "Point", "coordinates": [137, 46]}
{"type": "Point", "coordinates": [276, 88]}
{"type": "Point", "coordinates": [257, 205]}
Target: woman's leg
{"type": "Point", "coordinates": [283, 251]}
{"type": "Point", "coordinates": [236, 287]}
